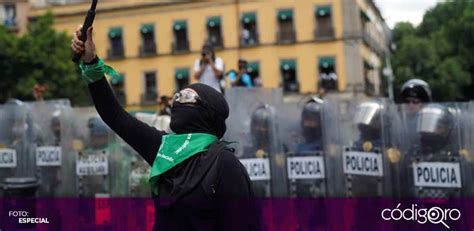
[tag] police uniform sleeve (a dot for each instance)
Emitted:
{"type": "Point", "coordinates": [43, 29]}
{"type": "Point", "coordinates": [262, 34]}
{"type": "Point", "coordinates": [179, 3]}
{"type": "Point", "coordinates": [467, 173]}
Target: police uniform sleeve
{"type": "Point", "coordinates": [143, 138]}
{"type": "Point", "coordinates": [235, 197]}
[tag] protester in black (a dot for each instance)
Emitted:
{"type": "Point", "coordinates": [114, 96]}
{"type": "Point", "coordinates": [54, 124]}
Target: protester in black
{"type": "Point", "coordinates": [208, 191]}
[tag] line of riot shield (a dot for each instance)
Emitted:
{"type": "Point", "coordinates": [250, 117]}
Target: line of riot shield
{"type": "Point", "coordinates": [434, 158]}
{"type": "Point", "coordinates": [102, 168]}
{"type": "Point", "coordinates": [252, 123]}
{"type": "Point", "coordinates": [300, 130]}
{"type": "Point", "coordinates": [53, 149]}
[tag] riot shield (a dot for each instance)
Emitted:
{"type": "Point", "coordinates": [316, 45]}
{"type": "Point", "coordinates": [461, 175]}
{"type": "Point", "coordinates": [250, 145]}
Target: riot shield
{"type": "Point", "coordinates": [102, 168]}
{"type": "Point", "coordinates": [138, 172]}
{"type": "Point", "coordinates": [300, 130]}
{"type": "Point", "coordinates": [252, 123]}
{"type": "Point", "coordinates": [362, 140]}
{"type": "Point", "coordinates": [16, 136]}
{"type": "Point", "coordinates": [434, 161]}
{"type": "Point", "coordinates": [53, 149]}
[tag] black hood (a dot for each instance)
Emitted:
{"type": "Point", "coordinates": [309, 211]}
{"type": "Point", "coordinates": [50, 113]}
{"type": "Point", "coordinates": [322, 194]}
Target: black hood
{"type": "Point", "coordinates": [207, 116]}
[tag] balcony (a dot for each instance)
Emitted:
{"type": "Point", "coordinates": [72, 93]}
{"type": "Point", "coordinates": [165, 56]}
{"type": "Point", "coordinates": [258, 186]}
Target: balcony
{"type": "Point", "coordinates": [148, 98]}
{"type": "Point", "coordinates": [116, 52]}
{"type": "Point", "coordinates": [181, 46]}
{"type": "Point", "coordinates": [148, 49]}
{"type": "Point", "coordinates": [322, 33]}
{"type": "Point", "coordinates": [286, 36]}
{"type": "Point", "coordinates": [250, 40]}
{"type": "Point", "coordinates": [293, 86]}
{"type": "Point", "coordinates": [217, 42]}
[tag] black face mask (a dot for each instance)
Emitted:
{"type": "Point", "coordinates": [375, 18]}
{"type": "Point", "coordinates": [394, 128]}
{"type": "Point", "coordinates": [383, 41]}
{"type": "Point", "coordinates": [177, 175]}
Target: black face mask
{"type": "Point", "coordinates": [312, 133]}
{"type": "Point", "coordinates": [432, 143]}
{"type": "Point", "coordinates": [198, 118]}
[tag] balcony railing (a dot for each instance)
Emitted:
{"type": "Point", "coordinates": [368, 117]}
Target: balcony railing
{"type": "Point", "coordinates": [251, 40]}
{"type": "Point", "coordinates": [148, 49]}
{"type": "Point", "coordinates": [149, 98]}
{"type": "Point", "coordinates": [180, 46]}
{"type": "Point", "coordinates": [217, 42]}
{"type": "Point", "coordinates": [324, 33]}
{"type": "Point", "coordinates": [286, 36]}
{"type": "Point", "coordinates": [116, 52]}
{"type": "Point", "coordinates": [293, 86]}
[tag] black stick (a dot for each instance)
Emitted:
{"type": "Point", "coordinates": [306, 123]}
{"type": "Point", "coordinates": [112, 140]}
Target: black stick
{"type": "Point", "coordinates": [87, 23]}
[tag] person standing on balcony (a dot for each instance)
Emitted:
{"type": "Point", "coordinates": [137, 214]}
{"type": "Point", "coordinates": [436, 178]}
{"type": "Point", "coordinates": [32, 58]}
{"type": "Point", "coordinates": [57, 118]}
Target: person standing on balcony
{"type": "Point", "coordinates": [209, 68]}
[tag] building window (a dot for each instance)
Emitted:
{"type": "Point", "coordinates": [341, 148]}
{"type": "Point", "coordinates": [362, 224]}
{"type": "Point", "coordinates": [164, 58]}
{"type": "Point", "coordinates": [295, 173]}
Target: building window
{"type": "Point", "coordinates": [249, 32]}
{"type": "Point", "coordinates": [253, 69]}
{"type": "Point", "coordinates": [288, 76]}
{"type": "Point", "coordinates": [116, 50]}
{"type": "Point", "coordinates": [180, 31]}
{"type": "Point", "coordinates": [148, 46]}
{"type": "Point", "coordinates": [286, 31]}
{"type": "Point", "coordinates": [9, 16]}
{"type": "Point", "coordinates": [182, 78]}
{"type": "Point", "coordinates": [150, 94]}
{"type": "Point", "coordinates": [364, 20]}
{"type": "Point", "coordinates": [324, 28]}
{"type": "Point", "coordinates": [368, 84]}
{"type": "Point", "coordinates": [214, 32]}
{"type": "Point", "coordinates": [118, 85]}
{"type": "Point", "coordinates": [327, 73]}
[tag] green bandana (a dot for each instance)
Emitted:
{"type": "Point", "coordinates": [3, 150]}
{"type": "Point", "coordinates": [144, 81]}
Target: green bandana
{"type": "Point", "coordinates": [94, 72]}
{"type": "Point", "coordinates": [175, 149]}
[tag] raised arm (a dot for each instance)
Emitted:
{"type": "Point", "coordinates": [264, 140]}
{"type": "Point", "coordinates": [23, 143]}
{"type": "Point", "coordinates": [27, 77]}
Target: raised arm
{"type": "Point", "coordinates": [144, 139]}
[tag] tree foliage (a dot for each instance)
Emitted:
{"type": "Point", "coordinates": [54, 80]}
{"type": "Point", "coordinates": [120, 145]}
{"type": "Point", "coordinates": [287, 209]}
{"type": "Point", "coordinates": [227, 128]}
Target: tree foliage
{"type": "Point", "coordinates": [440, 51]}
{"type": "Point", "coordinates": [42, 56]}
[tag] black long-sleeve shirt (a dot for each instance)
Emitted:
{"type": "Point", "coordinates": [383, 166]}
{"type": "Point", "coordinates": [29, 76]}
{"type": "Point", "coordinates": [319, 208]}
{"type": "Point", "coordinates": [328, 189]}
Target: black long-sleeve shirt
{"type": "Point", "coordinates": [232, 207]}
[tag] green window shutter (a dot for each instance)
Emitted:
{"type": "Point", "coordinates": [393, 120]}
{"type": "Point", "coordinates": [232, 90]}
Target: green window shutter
{"type": "Point", "coordinates": [182, 73]}
{"type": "Point", "coordinates": [115, 32]}
{"type": "Point", "coordinates": [368, 65]}
{"type": "Point", "coordinates": [364, 16]}
{"type": "Point", "coordinates": [179, 25]}
{"type": "Point", "coordinates": [289, 64]}
{"type": "Point", "coordinates": [147, 28]}
{"type": "Point", "coordinates": [285, 14]}
{"type": "Point", "coordinates": [248, 18]}
{"type": "Point", "coordinates": [326, 62]}
{"type": "Point", "coordinates": [214, 21]}
{"type": "Point", "coordinates": [253, 68]}
{"type": "Point", "coordinates": [322, 11]}
{"type": "Point", "coordinates": [117, 79]}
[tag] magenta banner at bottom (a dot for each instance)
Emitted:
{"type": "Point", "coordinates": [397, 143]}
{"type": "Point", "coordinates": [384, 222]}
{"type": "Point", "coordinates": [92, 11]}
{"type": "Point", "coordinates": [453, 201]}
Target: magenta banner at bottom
{"type": "Point", "coordinates": [276, 214]}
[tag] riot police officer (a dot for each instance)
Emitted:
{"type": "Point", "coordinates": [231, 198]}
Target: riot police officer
{"type": "Point", "coordinates": [435, 126]}
{"type": "Point", "coordinates": [311, 126]}
{"type": "Point", "coordinates": [261, 148]}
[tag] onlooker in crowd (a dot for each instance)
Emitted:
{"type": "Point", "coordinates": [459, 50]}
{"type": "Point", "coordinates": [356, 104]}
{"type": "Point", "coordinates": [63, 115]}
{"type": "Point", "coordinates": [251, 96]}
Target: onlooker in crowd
{"type": "Point", "coordinates": [209, 68]}
{"type": "Point", "coordinates": [240, 78]}
{"type": "Point", "coordinates": [164, 106]}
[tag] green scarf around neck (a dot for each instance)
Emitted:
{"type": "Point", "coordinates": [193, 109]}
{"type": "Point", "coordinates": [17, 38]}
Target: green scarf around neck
{"type": "Point", "coordinates": [175, 149]}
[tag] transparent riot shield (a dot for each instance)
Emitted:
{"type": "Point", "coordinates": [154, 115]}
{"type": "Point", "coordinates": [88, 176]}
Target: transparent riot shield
{"type": "Point", "coordinates": [300, 130]}
{"type": "Point", "coordinates": [16, 136]}
{"type": "Point", "coordinates": [139, 172]}
{"type": "Point", "coordinates": [53, 149]}
{"type": "Point", "coordinates": [252, 123]}
{"type": "Point", "coordinates": [102, 167]}
{"type": "Point", "coordinates": [360, 132]}
{"type": "Point", "coordinates": [468, 149]}
{"type": "Point", "coordinates": [434, 162]}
